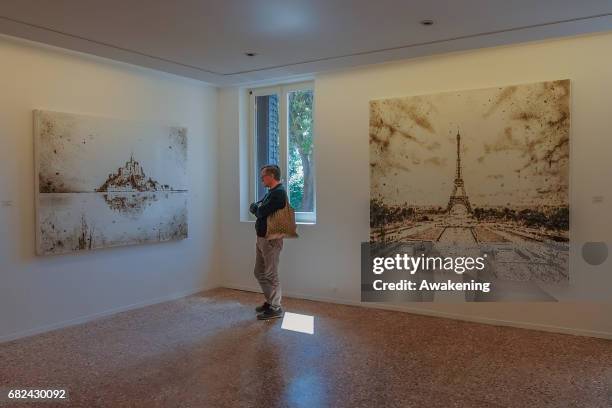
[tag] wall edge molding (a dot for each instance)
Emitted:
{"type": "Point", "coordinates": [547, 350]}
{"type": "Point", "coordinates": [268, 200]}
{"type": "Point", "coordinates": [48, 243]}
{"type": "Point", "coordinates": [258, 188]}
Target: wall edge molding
{"type": "Point", "coordinates": [107, 313]}
{"type": "Point", "coordinates": [432, 313]}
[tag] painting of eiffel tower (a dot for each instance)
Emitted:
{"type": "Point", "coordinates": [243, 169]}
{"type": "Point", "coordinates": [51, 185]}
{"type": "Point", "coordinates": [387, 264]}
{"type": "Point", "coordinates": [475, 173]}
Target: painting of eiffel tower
{"type": "Point", "coordinates": [507, 147]}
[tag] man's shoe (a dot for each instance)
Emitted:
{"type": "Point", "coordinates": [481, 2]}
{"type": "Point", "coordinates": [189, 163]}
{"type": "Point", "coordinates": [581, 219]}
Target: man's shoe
{"type": "Point", "coordinates": [263, 307]}
{"type": "Point", "coordinates": [271, 313]}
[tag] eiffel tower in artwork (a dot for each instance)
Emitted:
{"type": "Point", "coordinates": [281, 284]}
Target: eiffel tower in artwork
{"type": "Point", "coordinates": [459, 196]}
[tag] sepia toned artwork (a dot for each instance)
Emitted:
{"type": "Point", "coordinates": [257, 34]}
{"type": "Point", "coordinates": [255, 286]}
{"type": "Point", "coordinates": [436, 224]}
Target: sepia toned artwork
{"type": "Point", "coordinates": [105, 182]}
{"type": "Point", "coordinates": [484, 171]}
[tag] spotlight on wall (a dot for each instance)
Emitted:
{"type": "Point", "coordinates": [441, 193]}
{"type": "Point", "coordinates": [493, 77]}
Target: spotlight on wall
{"type": "Point", "coordinates": [427, 22]}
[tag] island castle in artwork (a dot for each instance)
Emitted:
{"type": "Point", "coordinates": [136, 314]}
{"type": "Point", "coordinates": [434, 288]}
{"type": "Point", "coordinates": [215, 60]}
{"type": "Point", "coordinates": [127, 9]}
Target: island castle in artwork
{"type": "Point", "coordinates": [131, 177]}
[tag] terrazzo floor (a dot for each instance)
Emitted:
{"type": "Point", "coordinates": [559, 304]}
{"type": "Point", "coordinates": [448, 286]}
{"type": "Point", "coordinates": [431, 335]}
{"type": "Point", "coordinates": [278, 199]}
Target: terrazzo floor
{"type": "Point", "coordinates": [208, 350]}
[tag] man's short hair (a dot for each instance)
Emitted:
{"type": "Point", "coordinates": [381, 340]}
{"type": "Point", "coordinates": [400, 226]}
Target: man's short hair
{"type": "Point", "coordinates": [273, 170]}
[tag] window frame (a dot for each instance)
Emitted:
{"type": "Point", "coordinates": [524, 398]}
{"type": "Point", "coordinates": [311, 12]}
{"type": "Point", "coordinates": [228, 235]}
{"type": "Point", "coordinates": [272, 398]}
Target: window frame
{"type": "Point", "coordinates": [282, 91]}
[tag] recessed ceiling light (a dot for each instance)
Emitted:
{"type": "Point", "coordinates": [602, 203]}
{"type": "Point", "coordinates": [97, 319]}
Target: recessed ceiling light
{"type": "Point", "coordinates": [427, 22]}
{"type": "Point", "coordinates": [250, 54]}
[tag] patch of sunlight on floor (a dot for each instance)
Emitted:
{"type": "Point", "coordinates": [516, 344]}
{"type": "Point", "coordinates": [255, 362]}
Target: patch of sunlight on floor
{"type": "Point", "coordinates": [298, 322]}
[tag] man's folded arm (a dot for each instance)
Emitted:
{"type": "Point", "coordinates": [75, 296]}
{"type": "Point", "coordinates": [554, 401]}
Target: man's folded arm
{"type": "Point", "coordinates": [275, 202]}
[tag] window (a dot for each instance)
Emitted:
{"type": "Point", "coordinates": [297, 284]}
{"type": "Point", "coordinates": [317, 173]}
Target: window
{"type": "Point", "coordinates": [281, 129]}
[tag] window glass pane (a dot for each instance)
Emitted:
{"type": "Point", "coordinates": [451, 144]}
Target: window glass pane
{"type": "Point", "coordinates": [266, 135]}
{"type": "Point", "coordinates": [300, 150]}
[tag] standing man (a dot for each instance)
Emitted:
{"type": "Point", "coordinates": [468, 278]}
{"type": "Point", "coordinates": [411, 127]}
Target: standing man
{"type": "Point", "coordinates": [268, 250]}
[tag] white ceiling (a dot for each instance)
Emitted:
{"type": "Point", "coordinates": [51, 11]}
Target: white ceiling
{"type": "Point", "coordinates": [207, 40]}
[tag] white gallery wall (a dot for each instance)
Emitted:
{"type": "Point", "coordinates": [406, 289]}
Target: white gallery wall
{"type": "Point", "coordinates": [325, 262]}
{"type": "Point", "coordinates": [40, 293]}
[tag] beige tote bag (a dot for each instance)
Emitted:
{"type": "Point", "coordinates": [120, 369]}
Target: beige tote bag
{"type": "Point", "coordinates": [281, 223]}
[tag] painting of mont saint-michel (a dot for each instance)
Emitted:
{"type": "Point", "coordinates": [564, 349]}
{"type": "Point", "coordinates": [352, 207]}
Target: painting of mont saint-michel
{"type": "Point", "coordinates": [105, 182]}
{"type": "Point", "coordinates": [485, 169]}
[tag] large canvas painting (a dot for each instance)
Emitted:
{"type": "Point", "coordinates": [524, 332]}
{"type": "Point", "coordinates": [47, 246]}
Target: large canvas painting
{"type": "Point", "coordinates": [105, 182]}
{"type": "Point", "coordinates": [485, 169]}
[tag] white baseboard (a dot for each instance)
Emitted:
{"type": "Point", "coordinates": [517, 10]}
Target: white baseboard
{"type": "Point", "coordinates": [433, 313]}
{"type": "Point", "coordinates": [384, 306]}
{"type": "Point", "coordinates": [106, 313]}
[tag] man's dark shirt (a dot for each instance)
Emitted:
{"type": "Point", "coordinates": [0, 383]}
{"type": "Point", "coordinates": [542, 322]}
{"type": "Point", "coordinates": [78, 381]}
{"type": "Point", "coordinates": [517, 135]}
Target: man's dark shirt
{"type": "Point", "coordinates": [274, 200]}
